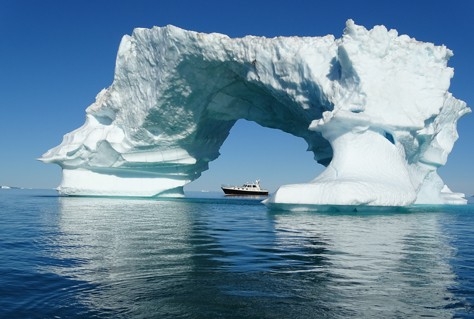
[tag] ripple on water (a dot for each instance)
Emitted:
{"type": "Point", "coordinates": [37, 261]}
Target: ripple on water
{"type": "Point", "coordinates": [99, 257]}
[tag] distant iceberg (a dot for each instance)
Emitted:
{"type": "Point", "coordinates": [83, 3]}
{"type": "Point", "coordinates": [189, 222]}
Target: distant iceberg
{"type": "Point", "coordinates": [373, 106]}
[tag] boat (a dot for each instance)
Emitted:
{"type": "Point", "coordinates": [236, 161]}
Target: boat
{"type": "Point", "coordinates": [245, 189]}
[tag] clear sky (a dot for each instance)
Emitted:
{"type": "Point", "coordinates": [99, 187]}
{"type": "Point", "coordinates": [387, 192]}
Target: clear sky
{"type": "Point", "coordinates": [55, 56]}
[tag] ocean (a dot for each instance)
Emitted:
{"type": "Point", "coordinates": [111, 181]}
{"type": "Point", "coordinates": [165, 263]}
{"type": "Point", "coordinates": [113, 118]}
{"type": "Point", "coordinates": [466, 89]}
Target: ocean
{"type": "Point", "coordinates": [210, 256]}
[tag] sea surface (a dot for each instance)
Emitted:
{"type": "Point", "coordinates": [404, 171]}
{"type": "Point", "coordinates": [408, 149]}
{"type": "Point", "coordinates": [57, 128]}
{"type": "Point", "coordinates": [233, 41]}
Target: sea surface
{"type": "Point", "coordinates": [210, 256]}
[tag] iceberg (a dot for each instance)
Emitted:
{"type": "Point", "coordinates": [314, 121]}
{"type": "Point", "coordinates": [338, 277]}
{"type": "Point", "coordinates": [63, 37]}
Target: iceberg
{"type": "Point", "coordinates": [373, 107]}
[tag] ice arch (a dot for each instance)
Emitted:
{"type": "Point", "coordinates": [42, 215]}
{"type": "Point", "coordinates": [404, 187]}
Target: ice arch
{"type": "Point", "coordinates": [373, 106]}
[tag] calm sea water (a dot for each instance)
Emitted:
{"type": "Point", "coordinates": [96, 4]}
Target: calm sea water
{"type": "Point", "coordinates": [205, 257]}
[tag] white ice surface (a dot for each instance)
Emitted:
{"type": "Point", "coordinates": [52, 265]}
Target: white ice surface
{"type": "Point", "coordinates": [373, 106]}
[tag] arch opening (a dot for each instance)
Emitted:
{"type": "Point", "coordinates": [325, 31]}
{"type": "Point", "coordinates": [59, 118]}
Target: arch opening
{"type": "Point", "coordinates": [253, 152]}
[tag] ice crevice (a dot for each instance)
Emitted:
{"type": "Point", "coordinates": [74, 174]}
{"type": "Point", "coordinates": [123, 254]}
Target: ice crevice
{"type": "Point", "coordinates": [373, 106]}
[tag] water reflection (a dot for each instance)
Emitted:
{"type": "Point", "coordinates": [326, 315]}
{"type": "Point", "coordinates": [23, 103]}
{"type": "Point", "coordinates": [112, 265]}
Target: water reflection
{"type": "Point", "coordinates": [134, 251]}
{"type": "Point", "coordinates": [391, 264]}
{"type": "Point", "coordinates": [211, 258]}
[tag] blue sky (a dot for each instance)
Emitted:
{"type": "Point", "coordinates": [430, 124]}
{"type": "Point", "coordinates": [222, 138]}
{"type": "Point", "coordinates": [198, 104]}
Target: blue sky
{"type": "Point", "coordinates": [55, 56]}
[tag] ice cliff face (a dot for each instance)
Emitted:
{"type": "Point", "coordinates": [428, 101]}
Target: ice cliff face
{"type": "Point", "coordinates": [373, 106]}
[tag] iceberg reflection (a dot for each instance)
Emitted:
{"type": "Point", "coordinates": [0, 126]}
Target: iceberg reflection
{"type": "Point", "coordinates": [394, 264]}
{"type": "Point", "coordinates": [185, 258]}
